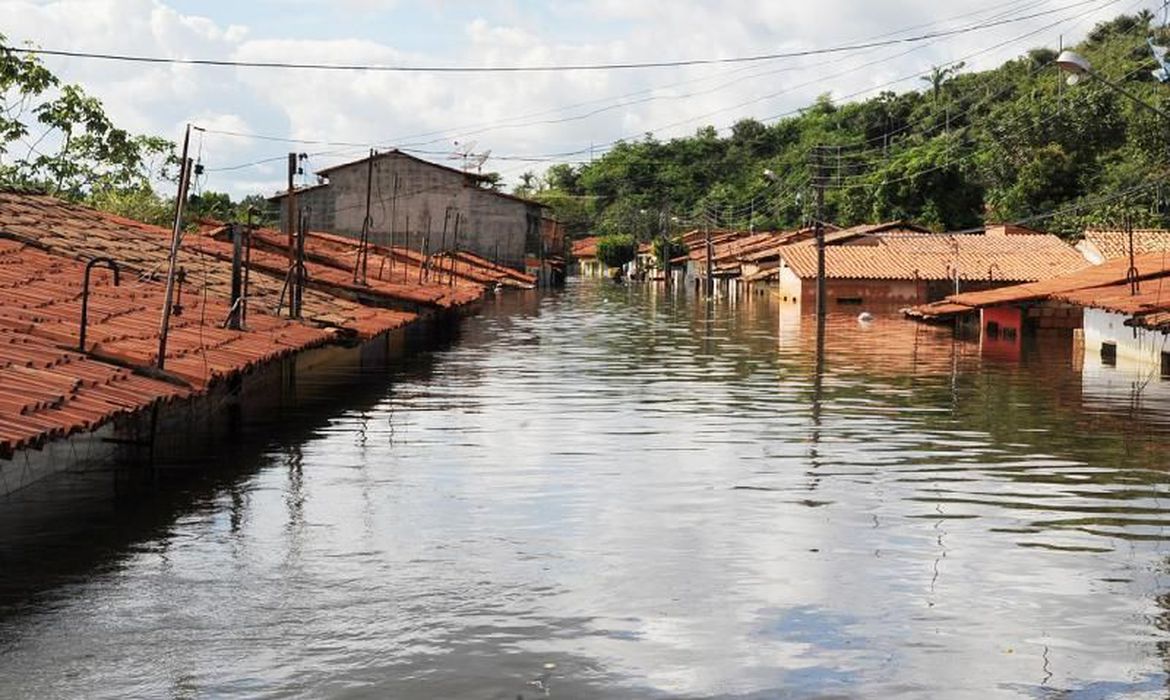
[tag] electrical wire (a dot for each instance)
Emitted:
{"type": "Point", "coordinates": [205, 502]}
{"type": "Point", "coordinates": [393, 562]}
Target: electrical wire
{"type": "Point", "coordinates": [380, 68]}
{"type": "Point", "coordinates": [604, 147]}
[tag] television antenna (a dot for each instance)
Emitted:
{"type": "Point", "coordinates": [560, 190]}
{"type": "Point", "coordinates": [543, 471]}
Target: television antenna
{"type": "Point", "coordinates": [466, 152]}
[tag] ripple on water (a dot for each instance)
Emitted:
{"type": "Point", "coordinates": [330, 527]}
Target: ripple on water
{"type": "Point", "coordinates": [613, 492]}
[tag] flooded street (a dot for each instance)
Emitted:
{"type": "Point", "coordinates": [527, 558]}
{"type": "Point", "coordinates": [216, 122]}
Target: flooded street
{"type": "Point", "coordinates": [607, 492]}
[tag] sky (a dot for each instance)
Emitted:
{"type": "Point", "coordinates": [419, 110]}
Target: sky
{"type": "Point", "coordinates": [526, 120]}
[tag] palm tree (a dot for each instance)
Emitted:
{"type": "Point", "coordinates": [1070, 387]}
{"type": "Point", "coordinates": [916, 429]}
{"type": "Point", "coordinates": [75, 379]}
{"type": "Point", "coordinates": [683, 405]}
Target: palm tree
{"type": "Point", "coordinates": [939, 75]}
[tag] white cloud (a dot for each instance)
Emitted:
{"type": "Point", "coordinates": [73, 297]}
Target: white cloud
{"type": "Point", "coordinates": [509, 113]}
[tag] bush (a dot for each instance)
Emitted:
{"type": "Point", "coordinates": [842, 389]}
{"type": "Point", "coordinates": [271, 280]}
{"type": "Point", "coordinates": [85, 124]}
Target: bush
{"type": "Point", "coordinates": [673, 249]}
{"type": "Point", "coordinates": [616, 250]}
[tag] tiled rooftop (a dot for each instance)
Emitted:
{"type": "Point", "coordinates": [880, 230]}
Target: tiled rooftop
{"type": "Point", "coordinates": [47, 392]}
{"type": "Point", "coordinates": [585, 247]}
{"type": "Point", "coordinates": [330, 261]}
{"type": "Point", "coordinates": [40, 295]}
{"type": "Point", "coordinates": [81, 232]}
{"type": "Point", "coordinates": [1113, 244]}
{"type": "Point", "coordinates": [933, 257]}
{"type": "Point", "coordinates": [1097, 286]}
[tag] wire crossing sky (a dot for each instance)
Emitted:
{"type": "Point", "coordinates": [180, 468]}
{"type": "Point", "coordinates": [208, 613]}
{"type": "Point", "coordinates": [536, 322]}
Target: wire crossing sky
{"type": "Point", "coordinates": [534, 83]}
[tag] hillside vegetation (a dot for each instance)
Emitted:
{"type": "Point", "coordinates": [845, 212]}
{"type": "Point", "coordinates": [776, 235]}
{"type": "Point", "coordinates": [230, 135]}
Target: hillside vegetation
{"type": "Point", "coordinates": [1010, 144]}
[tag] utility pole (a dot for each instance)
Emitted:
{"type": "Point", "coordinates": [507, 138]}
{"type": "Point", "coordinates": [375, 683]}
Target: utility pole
{"type": "Point", "coordinates": [290, 208]}
{"type": "Point", "coordinates": [172, 258]}
{"type": "Point", "coordinates": [364, 246]}
{"type": "Point", "coordinates": [393, 221]}
{"type": "Point", "coordinates": [819, 181]}
{"type": "Point", "coordinates": [710, 282]}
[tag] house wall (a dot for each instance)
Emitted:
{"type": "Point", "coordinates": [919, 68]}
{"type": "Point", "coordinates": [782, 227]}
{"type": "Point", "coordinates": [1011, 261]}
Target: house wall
{"type": "Point", "coordinates": [791, 288]}
{"type": "Point", "coordinates": [494, 226]}
{"type": "Point", "coordinates": [860, 293]}
{"type": "Point", "coordinates": [1002, 331]}
{"type": "Point", "coordinates": [1135, 347]}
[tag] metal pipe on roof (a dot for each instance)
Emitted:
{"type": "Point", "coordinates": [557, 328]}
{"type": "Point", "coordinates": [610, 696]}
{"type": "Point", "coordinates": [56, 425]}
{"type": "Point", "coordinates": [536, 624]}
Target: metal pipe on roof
{"type": "Point", "coordinates": [247, 269]}
{"type": "Point", "coordinates": [237, 276]}
{"type": "Point", "coordinates": [172, 257]}
{"type": "Point", "coordinates": [108, 262]}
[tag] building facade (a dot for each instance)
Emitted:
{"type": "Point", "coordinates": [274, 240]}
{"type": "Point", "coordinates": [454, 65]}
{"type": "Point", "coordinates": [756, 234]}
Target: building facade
{"type": "Point", "coordinates": [423, 206]}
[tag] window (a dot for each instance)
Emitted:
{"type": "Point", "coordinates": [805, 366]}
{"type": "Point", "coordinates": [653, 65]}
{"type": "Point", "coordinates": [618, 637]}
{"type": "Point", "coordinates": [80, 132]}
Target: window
{"type": "Point", "coordinates": [848, 301]}
{"type": "Point", "coordinates": [1109, 354]}
{"type": "Point", "coordinates": [992, 329]}
{"type": "Point", "coordinates": [1165, 365]}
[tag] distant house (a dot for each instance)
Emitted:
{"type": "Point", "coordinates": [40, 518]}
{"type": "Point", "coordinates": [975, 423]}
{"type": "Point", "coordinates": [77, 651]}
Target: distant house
{"type": "Point", "coordinates": [584, 252]}
{"type": "Point", "coordinates": [897, 266]}
{"type": "Point", "coordinates": [416, 203]}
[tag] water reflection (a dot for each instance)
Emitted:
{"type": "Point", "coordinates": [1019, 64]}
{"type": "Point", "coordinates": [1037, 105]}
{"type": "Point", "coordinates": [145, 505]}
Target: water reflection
{"type": "Point", "coordinates": [612, 492]}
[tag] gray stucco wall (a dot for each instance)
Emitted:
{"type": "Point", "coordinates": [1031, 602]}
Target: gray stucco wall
{"type": "Point", "coordinates": [491, 225]}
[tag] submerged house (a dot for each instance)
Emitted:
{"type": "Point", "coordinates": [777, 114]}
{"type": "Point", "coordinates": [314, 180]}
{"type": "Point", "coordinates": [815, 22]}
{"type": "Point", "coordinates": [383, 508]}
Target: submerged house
{"type": "Point", "coordinates": [895, 264]}
{"type": "Point", "coordinates": [81, 380]}
{"type": "Point", "coordinates": [1124, 315]}
{"type": "Point", "coordinates": [584, 254]}
{"type": "Point", "coordinates": [424, 206]}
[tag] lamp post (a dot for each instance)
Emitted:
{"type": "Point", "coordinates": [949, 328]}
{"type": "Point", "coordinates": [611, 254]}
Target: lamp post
{"type": "Point", "coordinates": [1077, 66]}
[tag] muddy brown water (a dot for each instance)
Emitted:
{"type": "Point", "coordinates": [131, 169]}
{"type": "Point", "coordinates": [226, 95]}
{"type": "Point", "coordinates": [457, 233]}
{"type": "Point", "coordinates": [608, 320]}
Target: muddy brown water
{"type": "Point", "coordinates": [612, 492]}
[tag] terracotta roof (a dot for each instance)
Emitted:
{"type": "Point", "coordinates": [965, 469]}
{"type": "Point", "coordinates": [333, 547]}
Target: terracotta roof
{"type": "Point", "coordinates": [933, 257]}
{"type": "Point", "coordinates": [1115, 244]}
{"type": "Point", "coordinates": [474, 267]}
{"type": "Point", "coordinates": [1152, 296]}
{"type": "Point", "coordinates": [329, 263]}
{"type": "Point", "coordinates": [41, 296]}
{"type": "Point", "coordinates": [1109, 273]}
{"type": "Point", "coordinates": [81, 232]}
{"type": "Point", "coordinates": [1085, 286]}
{"type": "Point", "coordinates": [48, 393]}
{"type": "Point", "coordinates": [585, 247]}
{"type": "Point", "coordinates": [48, 390]}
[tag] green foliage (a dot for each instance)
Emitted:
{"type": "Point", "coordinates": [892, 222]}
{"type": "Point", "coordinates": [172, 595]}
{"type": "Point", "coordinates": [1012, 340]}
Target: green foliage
{"type": "Point", "coordinates": [138, 203]}
{"type": "Point", "coordinates": [1008, 144]}
{"type": "Point", "coordinates": [667, 249]}
{"type": "Point", "coordinates": [616, 250]}
{"type": "Point", "coordinates": [57, 139]}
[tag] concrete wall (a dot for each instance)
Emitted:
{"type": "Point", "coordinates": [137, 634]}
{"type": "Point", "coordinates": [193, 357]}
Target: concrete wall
{"type": "Point", "coordinates": [1135, 347]}
{"type": "Point", "coordinates": [491, 225]}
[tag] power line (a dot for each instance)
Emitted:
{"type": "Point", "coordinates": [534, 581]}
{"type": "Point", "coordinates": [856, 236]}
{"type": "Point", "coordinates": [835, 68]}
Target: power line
{"type": "Point", "coordinates": [382, 68]}
{"type": "Point", "coordinates": [603, 147]}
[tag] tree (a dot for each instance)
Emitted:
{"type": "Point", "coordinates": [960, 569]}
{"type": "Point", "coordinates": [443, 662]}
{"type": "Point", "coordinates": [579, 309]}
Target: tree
{"type": "Point", "coordinates": [965, 148]}
{"type": "Point", "coordinates": [59, 140]}
{"type": "Point", "coordinates": [940, 75]}
{"type": "Point", "coordinates": [527, 186]}
{"type": "Point", "coordinates": [667, 249]}
{"type": "Point", "coordinates": [615, 251]}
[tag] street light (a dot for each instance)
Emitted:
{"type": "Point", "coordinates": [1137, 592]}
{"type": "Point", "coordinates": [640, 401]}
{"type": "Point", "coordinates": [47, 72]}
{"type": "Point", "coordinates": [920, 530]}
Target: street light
{"type": "Point", "coordinates": [1077, 67]}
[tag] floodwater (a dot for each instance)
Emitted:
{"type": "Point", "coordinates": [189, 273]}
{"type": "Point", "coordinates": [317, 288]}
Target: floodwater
{"type": "Point", "coordinates": [612, 493]}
